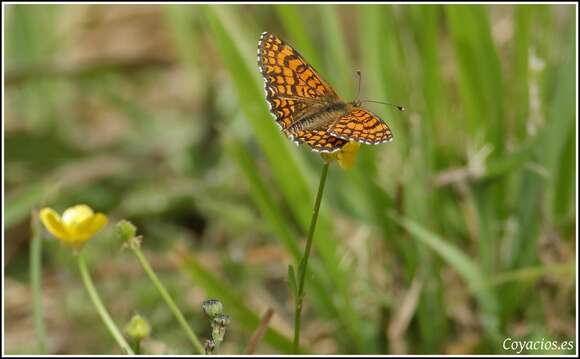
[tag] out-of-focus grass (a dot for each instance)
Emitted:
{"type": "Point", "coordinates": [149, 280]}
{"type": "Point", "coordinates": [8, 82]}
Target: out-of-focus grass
{"type": "Point", "coordinates": [475, 197]}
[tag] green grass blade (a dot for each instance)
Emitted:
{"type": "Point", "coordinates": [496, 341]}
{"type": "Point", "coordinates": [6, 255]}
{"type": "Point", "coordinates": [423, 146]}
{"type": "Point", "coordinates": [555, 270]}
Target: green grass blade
{"type": "Point", "coordinates": [292, 281]}
{"type": "Point", "coordinates": [261, 194]}
{"type": "Point", "coordinates": [36, 282]}
{"type": "Point", "coordinates": [291, 17]}
{"type": "Point", "coordinates": [533, 274]}
{"type": "Point", "coordinates": [565, 184]}
{"type": "Point", "coordinates": [520, 97]}
{"type": "Point", "coordinates": [464, 266]}
{"type": "Point", "coordinates": [480, 77]}
{"type": "Point", "coordinates": [338, 63]}
{"type": "Point", "coordinates": [285, 163]}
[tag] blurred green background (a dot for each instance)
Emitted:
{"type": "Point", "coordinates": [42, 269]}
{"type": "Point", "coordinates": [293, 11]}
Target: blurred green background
{"type": "Point", "coordinates": [458, 234]}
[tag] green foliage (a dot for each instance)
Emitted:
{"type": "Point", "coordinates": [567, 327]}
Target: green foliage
{"type": "Point", "coordinates": [475, 197]}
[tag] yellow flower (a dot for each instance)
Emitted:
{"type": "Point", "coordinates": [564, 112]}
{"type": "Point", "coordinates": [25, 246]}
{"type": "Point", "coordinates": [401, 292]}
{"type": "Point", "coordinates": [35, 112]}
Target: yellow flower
{"type": "Point", "coordinates": [76, 226]}
{"type": "Point", "coordinates": [345, 156]}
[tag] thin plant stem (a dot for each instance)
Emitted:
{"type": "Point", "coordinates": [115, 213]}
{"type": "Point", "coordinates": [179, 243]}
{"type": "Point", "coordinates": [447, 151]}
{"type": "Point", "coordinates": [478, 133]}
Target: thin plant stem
{"type": "Point", "coordinates": [36, 283]}
{"type": "Point", "coordinates": [111, 326]}
{"type": "Point", "coordinates": [136, 344]}
{"type": "Point", "coordinates": [168, 300]}
{"type": "Point", "coordinates": [304, 261]}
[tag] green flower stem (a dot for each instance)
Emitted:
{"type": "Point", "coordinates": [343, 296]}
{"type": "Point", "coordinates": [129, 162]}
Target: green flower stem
{"type": "Point", "coordinates": [36, 283]}
{"type": "Point", "coordinates": [176, 312]}
{"type": "Point", "coordinates": [136, 344]}
{"type": "Point", "coordinates": [115, 332]}
{"type": "Point", "coordinates": [304, 261]}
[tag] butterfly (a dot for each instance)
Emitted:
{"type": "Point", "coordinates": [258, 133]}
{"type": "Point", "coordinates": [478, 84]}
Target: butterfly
{"type": "Point", "coordinates": [306, 108]}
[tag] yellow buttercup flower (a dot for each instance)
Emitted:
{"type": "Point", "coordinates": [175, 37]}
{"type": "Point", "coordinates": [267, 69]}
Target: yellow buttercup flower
{"type": "Point", "coordinates": [345, 156]}
{"type": "Point", "coordinates": [76, 226]}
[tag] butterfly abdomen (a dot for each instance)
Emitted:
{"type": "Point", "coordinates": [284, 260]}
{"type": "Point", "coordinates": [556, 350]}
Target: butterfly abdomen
{"type": "Point", "coordinates": [321, 118]}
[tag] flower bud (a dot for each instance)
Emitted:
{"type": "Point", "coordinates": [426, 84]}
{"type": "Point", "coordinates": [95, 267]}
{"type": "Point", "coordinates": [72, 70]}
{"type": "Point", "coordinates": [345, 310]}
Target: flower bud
{"type": "Point", "coordinates": [137, 328]}
{"type": "Point", "coordinates": [125, 230]}
{"type": "Point", "coordinates": [212, 307]}
{"type": "Point", "coordinates": [222, 320]}
{"type": "Point", "coordinates": [218, 333]}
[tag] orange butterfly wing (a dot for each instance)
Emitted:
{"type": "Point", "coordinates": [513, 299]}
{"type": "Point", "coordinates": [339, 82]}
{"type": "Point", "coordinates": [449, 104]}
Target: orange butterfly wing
{"type": "Point", "coordinates": [320, 140]}
{"type": "Point", "coordinates": [363, 126]}
{"type": "Point", "coordinates": [290, 82]}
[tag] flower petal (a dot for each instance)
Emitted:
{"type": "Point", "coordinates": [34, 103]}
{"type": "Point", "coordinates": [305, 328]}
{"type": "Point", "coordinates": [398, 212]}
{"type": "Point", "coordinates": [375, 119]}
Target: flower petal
{"type": "Point", "coordinates": [89, 226]}
{"type": "Point", "coordinates": [53, 223]}
{"type": "Point", "coordinates": [347, 155]}
{"type": "Point", "coordinates": [76, 214]}
{"type": "Point", "coordinates": [99, 221]}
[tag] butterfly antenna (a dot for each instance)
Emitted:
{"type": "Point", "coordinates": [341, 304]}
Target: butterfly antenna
{"type": "Point", "coordinates": [398, 107]}
{"type": "Point", "coordinates": [359, 82]}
